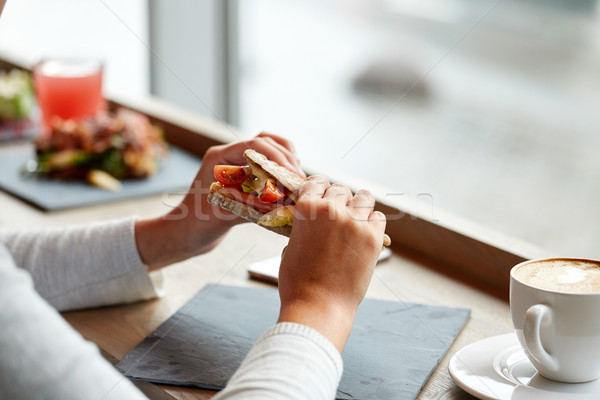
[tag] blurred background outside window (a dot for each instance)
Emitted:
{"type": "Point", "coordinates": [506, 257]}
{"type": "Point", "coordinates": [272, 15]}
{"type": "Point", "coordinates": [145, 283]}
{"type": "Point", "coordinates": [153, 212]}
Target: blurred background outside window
{"type": "Point", "coordinates": [489, 110]}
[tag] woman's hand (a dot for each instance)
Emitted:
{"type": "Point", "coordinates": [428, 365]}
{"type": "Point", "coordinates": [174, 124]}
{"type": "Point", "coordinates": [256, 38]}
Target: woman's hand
{"type": "Point", "coordinates": [195, 226]}
{"type": "Point", "coordinates": [328, 264]}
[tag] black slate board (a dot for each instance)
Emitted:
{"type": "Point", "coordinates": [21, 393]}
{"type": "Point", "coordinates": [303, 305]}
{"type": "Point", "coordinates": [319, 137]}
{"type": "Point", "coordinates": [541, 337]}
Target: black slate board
{"type": "Point", "coordinates": [393, 349]}
{"type": "Point", "coordinates": [176, 172]}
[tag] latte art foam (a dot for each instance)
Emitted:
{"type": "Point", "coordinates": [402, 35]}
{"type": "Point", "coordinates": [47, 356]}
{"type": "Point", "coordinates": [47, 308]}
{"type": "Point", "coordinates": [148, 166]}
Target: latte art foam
{"type": "Point", "coordinates": [569, 276]}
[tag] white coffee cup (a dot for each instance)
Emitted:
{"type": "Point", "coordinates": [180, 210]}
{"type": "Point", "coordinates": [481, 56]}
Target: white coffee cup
{"type": "Point", "coordinates": [555, 310]}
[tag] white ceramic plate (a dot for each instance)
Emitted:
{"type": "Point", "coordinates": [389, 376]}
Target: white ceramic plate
{"type": "Point", "coordinates": [496, 368]}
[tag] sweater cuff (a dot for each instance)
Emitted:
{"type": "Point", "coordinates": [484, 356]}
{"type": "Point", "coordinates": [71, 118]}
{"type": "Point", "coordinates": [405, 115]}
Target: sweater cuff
{"type": "Point", "coordinates": [291, 328]}
{"type": "Point", "coordinates": [126, 253]}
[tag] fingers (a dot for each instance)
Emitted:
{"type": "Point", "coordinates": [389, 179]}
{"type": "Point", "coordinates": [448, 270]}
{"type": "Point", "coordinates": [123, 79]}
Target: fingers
{"type": "Point", "coordinates": [309, 196]}
{"type": "Point", "coordinates": [234, 153]}
{"type": "Point", "coordinates": [275, 148]}
{"type": "Point", "coordinates": [339, 195]}
{"type": "Point", "coordinates": [280, 155]}
{"type": "Point", "coordinates": [361, 205]}
{"type": "Point", "coordinates": [280, 140]}
{"type": "Point", "coordinates": [378, 219]}
{"type": "Point", "coordinates": [289, 154]}
{"type": "Point", "coordinates": [313, 188]}
{"type": "Point", "coordinates": [316, 187]}
{"type": "Point", "coordinates": [230, 154]}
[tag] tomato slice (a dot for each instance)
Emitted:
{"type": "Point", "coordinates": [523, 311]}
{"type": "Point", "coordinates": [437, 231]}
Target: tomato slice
{"type": "Point", "coordinates": [231, 174]}
{"type": "Point", "coordinates": [271, 193]}
{"type": "Point", "coordinates": [249, 199]}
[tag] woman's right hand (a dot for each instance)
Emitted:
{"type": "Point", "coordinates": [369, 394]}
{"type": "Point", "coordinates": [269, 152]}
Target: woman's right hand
{"type": "Point", "coordinates": [329, 261]}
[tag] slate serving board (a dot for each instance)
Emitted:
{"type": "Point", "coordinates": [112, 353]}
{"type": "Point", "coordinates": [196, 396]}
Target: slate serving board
{"type": "Point", "coordinates": [393, 349]}
{"type": "Point", "coordinates": [176, 172]}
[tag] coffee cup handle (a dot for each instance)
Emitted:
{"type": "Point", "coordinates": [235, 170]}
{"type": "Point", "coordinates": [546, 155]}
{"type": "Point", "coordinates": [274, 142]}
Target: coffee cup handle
{"type": "Point", "coordinates": [531, 333]}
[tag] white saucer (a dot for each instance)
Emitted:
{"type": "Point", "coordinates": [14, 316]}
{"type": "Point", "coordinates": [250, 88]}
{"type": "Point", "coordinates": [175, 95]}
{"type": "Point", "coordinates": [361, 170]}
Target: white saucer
{"type": "Point", "coordinates": [496, 368]}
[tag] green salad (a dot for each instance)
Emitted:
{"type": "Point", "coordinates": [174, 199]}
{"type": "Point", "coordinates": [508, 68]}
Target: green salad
{"type": "Point", "coordinates": [16, 95]}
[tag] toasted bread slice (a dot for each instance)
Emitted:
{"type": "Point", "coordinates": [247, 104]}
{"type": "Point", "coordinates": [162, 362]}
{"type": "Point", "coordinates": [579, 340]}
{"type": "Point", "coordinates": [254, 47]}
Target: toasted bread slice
{"type": "Point", "coordinates": [283, 175]}
{"type": "Point", "coordinates": [244, 211]}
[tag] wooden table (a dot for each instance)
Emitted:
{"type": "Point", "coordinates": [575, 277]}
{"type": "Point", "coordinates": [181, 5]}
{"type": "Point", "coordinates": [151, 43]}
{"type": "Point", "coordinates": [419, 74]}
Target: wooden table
{"type": "Point", "coordinates": [117, 330]}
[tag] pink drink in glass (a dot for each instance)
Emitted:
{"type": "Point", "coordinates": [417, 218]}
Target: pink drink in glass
{"type": "Point", "coordinates": [68, 89]}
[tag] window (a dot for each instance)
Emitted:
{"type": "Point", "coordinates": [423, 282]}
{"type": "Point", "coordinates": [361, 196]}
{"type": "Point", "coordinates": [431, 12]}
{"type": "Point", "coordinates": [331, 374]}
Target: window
{"type": "Point", "coordinates": [487, 110]}
{"type": "Point", "coordinates": [500, 127]}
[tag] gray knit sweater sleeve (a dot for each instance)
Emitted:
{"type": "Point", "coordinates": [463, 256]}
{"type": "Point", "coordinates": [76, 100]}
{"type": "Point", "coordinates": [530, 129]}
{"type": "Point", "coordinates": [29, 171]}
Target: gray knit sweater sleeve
{"type": "Point", "coordinates": [83, 266]}
{"type": "Point", "coordinates": [41, 356]}
{"type": "Point", "coordinates": [289, 362]}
